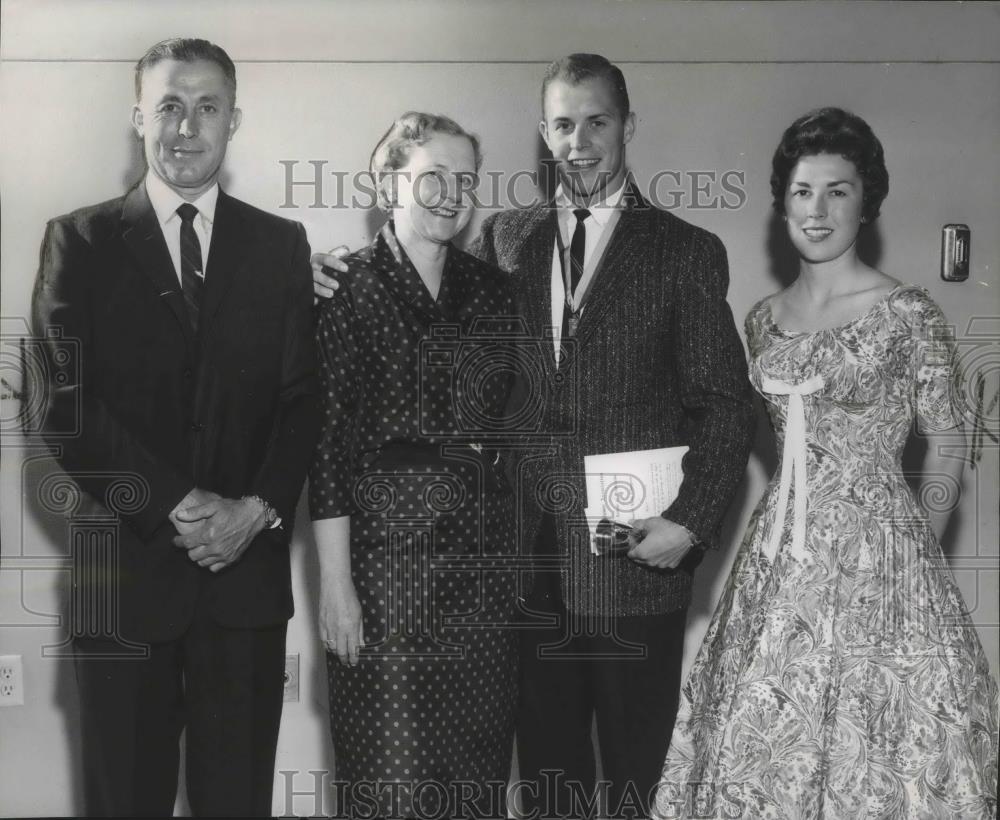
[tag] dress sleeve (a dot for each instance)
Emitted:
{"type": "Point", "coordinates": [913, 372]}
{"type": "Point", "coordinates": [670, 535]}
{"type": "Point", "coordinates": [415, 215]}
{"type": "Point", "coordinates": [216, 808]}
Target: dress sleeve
{"type": "Point", "coordinates": [331, 479]}
{"type": "Point", "coordinates": [751, 327]}
{"type": "Point", "coordinates": [937, 379]}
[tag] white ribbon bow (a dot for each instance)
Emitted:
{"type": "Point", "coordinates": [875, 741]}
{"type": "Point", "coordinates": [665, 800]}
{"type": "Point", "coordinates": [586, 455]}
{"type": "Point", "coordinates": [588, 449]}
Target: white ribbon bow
{"type": "Point", "coordinates": [793, 462]}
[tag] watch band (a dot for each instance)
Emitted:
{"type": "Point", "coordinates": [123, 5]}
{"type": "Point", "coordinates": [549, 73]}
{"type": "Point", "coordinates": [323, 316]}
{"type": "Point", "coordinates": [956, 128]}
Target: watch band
{"type": "Point", "coordinates": [271, 518]}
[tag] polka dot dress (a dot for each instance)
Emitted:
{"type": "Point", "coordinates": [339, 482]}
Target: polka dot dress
{"type": "Point", "coordinates": [410, 383]}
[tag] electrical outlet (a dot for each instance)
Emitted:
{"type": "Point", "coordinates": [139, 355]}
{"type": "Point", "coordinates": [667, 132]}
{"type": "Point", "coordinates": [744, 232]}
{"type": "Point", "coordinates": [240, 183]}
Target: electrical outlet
{"type": "Point", "coordinates": [12, 681]}
{"type": "Point", "coordinates": [291, 678]}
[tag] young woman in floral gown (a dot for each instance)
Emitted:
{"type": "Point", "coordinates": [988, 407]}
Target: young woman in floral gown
{"type": "Point", "coordinates": [841, 675]}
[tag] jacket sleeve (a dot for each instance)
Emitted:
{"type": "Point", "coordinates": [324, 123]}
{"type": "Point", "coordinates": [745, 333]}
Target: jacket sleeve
{"type": "Point", "coordinates": [101, 455]}
{"type": "Point", "coordinates": [483, 247]}
{"type": "Point", "coordinates": [715, 393]}
{"type": "Point", "coordinates": [296, 426]}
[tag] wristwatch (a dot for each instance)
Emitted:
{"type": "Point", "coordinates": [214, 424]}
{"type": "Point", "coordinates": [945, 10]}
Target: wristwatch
{"type": "Point", "coordinates": [271, 518]}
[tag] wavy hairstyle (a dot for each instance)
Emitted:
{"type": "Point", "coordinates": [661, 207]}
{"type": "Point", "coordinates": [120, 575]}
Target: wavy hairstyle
{"type": "Point", "coordinates": [408, 130]}
{"type": "Point", "coordinates": [833, 131]}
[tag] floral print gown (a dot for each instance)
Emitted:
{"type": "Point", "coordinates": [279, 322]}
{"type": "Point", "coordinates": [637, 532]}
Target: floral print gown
{"type": "Point", "coordinates": [841, 675]}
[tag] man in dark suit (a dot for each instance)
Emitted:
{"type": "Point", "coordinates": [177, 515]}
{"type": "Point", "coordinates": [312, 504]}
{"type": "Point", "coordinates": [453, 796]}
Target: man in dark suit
{"type": "Point", "coordinates": [629, 303]}
{"type": "Point", "coordinates": [177, 327]}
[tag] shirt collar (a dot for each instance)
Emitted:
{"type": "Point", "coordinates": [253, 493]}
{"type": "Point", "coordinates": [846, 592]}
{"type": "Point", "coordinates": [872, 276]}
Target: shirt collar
{"type": "Point", "coordinates": [600, 211]}
{"type": "Point", "coordinates": [165, 200]}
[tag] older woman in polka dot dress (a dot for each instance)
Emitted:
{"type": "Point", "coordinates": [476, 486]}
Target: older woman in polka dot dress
{"type": "Point", "coordinates": [412, 516]}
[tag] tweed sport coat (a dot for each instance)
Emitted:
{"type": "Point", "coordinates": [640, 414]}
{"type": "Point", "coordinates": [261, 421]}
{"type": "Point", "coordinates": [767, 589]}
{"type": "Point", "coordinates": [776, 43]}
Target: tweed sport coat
{"type": "Point", "coordinates": [656, 362]}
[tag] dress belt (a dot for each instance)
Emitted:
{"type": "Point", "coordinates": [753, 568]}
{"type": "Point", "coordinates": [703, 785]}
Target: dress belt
{"type": "Point", "coordinates": [397, 455]}
{"type": "Point", "coordinates": [793, 462]}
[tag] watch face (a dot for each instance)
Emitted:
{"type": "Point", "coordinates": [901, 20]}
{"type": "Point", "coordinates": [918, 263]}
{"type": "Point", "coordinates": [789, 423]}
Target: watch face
{"type": "Point", "coordinates": [270, 515]}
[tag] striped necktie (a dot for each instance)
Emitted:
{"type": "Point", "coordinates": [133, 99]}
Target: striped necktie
{"type": "Point", "coordinates": [192, 281]}
{"type": "Point", "coordinates": [576, 248]}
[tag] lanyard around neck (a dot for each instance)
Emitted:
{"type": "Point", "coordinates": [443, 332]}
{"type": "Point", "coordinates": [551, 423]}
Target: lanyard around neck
{"type": "Point", "coordinates": [574, 306]}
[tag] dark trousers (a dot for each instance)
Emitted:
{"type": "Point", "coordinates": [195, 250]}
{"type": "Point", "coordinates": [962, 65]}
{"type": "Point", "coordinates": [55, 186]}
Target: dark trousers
{"type": "Point", "coordinates": [222, 686]}
{"type": "Point", "coordinates": [579, 668]}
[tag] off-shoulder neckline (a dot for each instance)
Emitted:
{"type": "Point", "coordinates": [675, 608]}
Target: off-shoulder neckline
{"type": "Point", "coordinates": [882, 300]}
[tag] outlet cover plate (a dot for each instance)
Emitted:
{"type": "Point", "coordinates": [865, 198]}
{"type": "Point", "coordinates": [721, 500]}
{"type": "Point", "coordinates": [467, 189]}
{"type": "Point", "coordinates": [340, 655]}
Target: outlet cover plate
{"type": "Point", "coordinates": [11, 680]}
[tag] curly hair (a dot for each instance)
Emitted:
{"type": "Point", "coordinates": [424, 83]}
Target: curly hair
{"type": "Point", "coordinates": [833, 131]}
{"type": "Point", "coordinates": [410, 129]}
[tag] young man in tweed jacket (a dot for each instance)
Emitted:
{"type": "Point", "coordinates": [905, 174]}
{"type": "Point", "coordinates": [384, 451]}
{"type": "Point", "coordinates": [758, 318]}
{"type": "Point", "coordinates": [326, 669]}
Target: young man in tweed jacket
{"type": "Point", "coordinates": [654, 361]}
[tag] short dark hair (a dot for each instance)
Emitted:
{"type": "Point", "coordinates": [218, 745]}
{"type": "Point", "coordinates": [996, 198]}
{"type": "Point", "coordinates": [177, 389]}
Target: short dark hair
{"type": "Point", "coordinates": [576, 68]}
{"type": "Point", "coordinates": [833, 131]}
{"type": "Point", "coordinates": [413, 128]}
{"type": "Point", "coordinates": [186, 50]}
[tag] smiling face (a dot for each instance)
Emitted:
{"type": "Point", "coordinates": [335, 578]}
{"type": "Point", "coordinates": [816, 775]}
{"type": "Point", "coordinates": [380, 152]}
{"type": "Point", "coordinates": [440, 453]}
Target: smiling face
{"type": "Point", "coordinates": [587, 135]}
{"type": "Point", "coordinates": [823, 207]}
{"type": "Point", "coordinates": [185, 117]}
{"type": "Point", "coordinates": [431, 190]}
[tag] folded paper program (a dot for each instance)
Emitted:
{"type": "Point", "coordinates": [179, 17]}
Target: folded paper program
{"type": "Point", "coordinates": [622, 487]}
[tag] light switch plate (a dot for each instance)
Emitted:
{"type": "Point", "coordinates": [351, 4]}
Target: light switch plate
{"type": "Point", "coordinates": [956, 242]}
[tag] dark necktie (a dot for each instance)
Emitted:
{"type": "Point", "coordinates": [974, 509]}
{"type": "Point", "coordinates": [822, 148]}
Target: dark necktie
{"type": "Point", "coordinates": [576, 248]}
{"type": "Point", "coordinates": [191, 283]}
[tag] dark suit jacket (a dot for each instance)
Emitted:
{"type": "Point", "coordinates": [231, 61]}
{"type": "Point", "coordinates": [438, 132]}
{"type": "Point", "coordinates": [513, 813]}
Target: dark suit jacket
{"type": "Point", "coordinates": [657, 362]}
{"type": "Point", "coordinates": [136, 400]}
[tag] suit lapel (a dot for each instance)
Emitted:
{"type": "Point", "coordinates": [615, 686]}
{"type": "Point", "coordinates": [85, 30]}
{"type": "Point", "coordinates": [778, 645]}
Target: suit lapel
{"type": "Point", "coordinates": [630, 240]}
{"type": "Point", "coordinates": [229, 245]}
{"type": "Point", "coordinates": [536, 279]}
{"type": "Point", "coordinates": [144, 239]}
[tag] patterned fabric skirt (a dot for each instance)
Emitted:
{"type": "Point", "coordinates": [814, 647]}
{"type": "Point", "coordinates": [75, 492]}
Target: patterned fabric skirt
{"type": "Point", "coordinates": [854, 687]}
{"type": "Point", "coordinates": [423, 725]}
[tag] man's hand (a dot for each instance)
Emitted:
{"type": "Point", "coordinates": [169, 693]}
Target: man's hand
{"type": "Point", "coordinates": [323, 285]}
{"type": "Point", "coordinates": [196, 498]}
{"type": "Point", "coordinates": [226, 528]}
{"type": "Point", "coordinates": [340, 625]}
{"type": "Point", "coordinates": [664, 544]}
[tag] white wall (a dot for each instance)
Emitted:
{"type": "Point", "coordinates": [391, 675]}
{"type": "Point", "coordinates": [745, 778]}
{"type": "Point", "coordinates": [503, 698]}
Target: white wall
{"type": "Point", "coordinates": [714, 85]}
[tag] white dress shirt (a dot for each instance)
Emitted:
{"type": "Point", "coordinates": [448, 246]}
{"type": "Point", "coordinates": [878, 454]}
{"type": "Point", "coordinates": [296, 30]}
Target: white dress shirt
{"type": "Point", "coordinates": [165, 201]}
{"type": "Point", "coordinates": [599, 227]}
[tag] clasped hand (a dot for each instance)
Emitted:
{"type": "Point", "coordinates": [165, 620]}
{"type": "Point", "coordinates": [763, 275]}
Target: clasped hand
{"type": "Point", "coordinates": [214, 530]}
{"type": "Point", "coordinates": [663, 545]}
